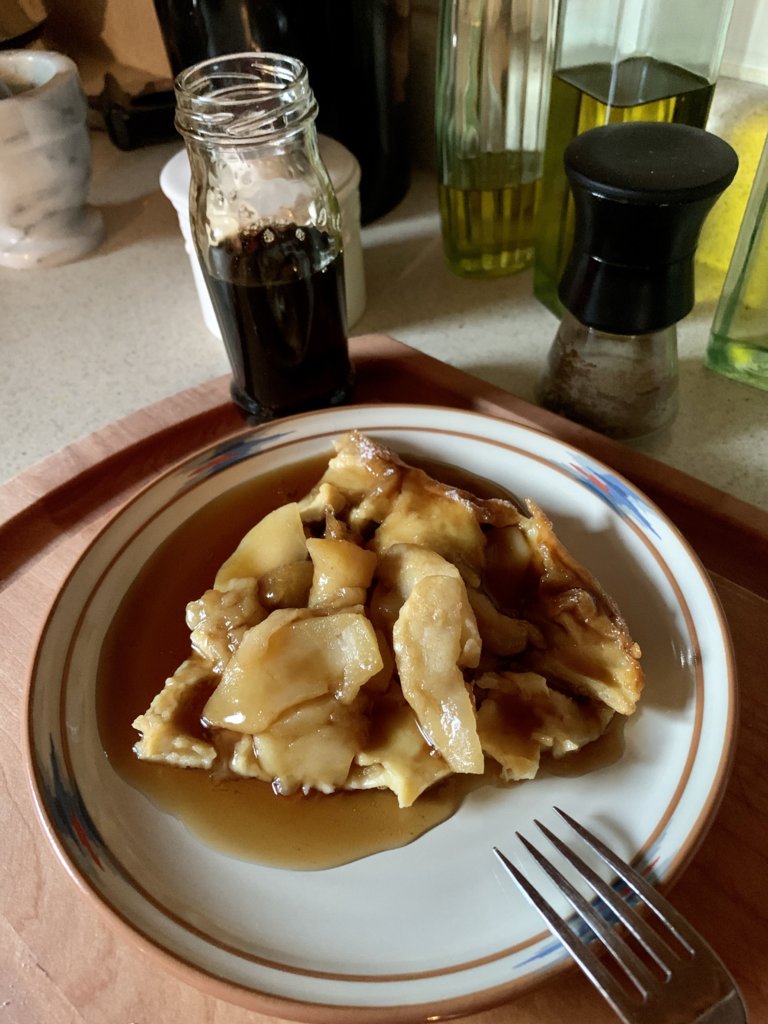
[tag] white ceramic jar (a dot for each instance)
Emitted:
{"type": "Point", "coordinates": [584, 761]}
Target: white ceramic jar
{"type": "Point", "coordinates": [344, 172]}
{"type": "Point", "coordinates": [45, 162]}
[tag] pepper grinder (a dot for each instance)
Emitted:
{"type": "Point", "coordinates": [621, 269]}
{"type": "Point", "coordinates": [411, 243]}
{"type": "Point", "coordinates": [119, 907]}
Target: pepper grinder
{"type": "Point", "coordinates": [641, 191]}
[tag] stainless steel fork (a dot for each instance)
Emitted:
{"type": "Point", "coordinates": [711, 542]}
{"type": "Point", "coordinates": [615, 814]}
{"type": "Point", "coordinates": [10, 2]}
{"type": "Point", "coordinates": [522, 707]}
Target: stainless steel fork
{"type": "Point", "coordinates": [667, 975]}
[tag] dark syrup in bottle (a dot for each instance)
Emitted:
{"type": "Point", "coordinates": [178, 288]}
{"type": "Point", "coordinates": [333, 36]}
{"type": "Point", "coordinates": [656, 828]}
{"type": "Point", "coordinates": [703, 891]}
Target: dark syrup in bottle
{"type": "Point", "coordinates": [278, 294]}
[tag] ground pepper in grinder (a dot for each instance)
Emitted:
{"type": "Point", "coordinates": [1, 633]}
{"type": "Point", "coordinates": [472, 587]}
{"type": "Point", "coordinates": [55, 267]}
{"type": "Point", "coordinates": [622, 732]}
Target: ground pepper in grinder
{"type": "Point", "coordinates": [641, 193]}
{"type": "Point", "coordinates": [267, 230]}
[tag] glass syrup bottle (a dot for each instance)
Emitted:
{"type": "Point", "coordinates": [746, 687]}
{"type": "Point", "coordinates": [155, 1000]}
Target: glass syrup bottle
{"type": "Point", "coordinates": [266, 227]}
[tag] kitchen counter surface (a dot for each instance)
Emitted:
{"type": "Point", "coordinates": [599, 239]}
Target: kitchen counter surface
{"type": "Point", "coordinates": [91, 341]}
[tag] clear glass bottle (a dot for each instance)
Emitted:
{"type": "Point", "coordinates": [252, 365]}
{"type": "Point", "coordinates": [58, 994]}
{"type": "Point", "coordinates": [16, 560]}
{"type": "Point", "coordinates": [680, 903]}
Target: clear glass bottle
{"type": "Point", "coordinates": [641, 194]}
{"type": "Point", "coordinates": [493, 70]}
{"type": "Point", "coordinates": [266, 227]}
{"type": "Point", "coordinates": [639, 60]}
{"type": "Point", "coordinates": [738, 344]}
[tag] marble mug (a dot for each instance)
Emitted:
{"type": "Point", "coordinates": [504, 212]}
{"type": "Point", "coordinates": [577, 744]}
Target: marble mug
{"type": "Point", "coordinates": [45, 162]}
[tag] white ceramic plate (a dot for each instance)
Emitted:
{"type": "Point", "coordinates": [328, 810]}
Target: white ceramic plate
{"type": "Point", "coordinates": [432, 928]}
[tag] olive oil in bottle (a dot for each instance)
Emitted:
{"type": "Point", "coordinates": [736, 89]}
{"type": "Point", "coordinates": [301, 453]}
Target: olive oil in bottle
{"type": "Point", "coordinates": [493, 72]}
{"type": "Point", "coordinates": [488, 210]}
{"type": "Point", "coordinates": [635, 89]}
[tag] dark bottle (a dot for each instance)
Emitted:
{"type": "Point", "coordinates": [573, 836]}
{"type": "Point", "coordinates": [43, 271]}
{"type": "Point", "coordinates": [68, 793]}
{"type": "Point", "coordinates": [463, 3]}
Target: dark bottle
{"type": "Point", "coordinates": [357, 56]}
{"type": "Point", "coordinates": [266, 228]}
{"type": "Point", "coordinates": [641, 192]}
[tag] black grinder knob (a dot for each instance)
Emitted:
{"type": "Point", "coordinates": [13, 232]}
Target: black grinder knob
{"type": "Point", "coordinates": [641, 193]}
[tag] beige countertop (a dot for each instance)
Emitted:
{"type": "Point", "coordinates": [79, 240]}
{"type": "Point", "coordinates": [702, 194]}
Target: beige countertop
{"type": "Point", "coordinates": [91, 341]}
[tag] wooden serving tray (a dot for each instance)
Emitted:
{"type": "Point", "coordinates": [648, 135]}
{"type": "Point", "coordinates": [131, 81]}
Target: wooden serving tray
{"type": "Point", "coordinates": [62, 962]}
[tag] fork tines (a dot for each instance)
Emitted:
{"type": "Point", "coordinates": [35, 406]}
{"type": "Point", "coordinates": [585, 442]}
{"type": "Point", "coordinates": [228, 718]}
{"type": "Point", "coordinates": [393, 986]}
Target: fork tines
{"type": "Point", "coordinates": [647, 962]}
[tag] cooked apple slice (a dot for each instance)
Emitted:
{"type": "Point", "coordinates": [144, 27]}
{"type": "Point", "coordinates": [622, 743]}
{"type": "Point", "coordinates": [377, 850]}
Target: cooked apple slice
{"type": "Point", "coordinates": [323, 500]}
{"type": "Point", "coordinates": [400, 568]}
{"type": "Point", "coordinates": [275, 540]}
{"type": "Point", "coordinates": [432, 517]}
{"type": "Point", "coordinates": [287, 586]}
{"type": "Point", "coordinates": [288, 659]}
{"type": "Point", "coordinates": [342, 573]}
{"type": "Point", "coordinates": [311, 746]}
{"type": "Point", "coordinates": [397, 756]}
{"type": "Point", "coordinates": [427, 642]}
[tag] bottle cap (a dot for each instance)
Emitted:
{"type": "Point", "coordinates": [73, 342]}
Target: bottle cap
{"type": "Point", "coordinates": [641, 193]}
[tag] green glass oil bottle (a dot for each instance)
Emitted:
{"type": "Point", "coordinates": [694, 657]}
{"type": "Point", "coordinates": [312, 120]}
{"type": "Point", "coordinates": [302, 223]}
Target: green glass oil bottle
{"type": "Point", "coordinates": [738, 344]}
{"type": "Point", "coordinates": [617, 63]}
